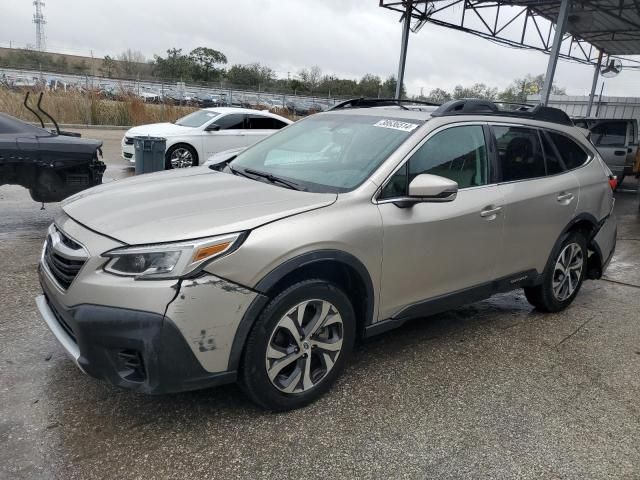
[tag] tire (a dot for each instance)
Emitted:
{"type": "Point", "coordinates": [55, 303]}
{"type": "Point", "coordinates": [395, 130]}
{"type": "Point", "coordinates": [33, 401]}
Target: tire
{"type": "Point", "coordinates": [278, 384]}
{"type": "Point", "coordinates": [556, 292]}
{"type": "Point", "coordinates": [189, 152]}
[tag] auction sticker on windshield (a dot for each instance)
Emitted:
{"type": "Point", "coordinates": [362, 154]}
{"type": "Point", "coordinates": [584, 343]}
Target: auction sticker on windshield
{"type": "Point", "coordinates": [396, 125]}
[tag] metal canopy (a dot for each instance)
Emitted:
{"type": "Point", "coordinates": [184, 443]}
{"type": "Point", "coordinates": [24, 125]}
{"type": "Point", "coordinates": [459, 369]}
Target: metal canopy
{"type": "Point", "coordinates": [577, 30]}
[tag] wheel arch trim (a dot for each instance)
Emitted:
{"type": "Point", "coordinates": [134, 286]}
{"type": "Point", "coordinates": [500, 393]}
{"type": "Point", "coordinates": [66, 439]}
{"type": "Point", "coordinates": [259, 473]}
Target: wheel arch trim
{"type": "Point", "coordinates": [279, 273]}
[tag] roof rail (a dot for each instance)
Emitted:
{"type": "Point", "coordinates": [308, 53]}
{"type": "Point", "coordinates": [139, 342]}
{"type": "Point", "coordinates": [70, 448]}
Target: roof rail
{"type": "Point", "coordinates": [474, 106]}
{"type": "Point", "coordinates": [363, 102]}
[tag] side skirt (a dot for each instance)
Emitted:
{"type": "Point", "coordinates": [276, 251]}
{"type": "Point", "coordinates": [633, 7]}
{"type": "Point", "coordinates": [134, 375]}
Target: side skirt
{"type": "Point", "coordinates": [449, 301]}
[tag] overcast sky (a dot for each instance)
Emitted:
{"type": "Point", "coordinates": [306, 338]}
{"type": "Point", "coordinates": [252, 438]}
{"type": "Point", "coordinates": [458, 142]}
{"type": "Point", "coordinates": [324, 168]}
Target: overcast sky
{"type": "Point", "coordinates": [344, 37]}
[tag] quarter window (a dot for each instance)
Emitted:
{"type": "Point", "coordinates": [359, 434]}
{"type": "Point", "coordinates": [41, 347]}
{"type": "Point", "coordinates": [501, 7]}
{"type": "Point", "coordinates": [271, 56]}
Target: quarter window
{"type": "Point", "coordinates": [572, 154]}
{"type": "Point", "coordinates": [519, 153]}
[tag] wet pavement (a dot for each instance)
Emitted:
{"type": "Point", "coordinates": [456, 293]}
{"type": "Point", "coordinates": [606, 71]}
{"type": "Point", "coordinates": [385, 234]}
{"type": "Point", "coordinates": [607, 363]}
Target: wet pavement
{"type": "Point", "coordinates": [491, 390]}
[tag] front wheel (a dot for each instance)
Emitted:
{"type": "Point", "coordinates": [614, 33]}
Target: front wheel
{"type": "Point", "coordinates": [298, 346]}
{"type": "Point", "coordinates": [181, 156]}
{"type": "Point", "coordinates": [563, 275]}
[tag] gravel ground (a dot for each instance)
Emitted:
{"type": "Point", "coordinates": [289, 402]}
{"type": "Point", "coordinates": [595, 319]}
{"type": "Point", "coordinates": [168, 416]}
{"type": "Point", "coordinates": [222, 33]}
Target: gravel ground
{"type": "Point", "coordinates": [492, 390]}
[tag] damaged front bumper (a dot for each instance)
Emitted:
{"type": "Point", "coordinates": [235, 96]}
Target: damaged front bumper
{"type": "Point", "coordinates": [187, 348]}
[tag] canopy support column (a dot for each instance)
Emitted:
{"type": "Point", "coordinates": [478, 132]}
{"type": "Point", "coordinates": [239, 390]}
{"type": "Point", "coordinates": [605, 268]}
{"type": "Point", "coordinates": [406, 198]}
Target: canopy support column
{"type": "Point", "coordinates": [561, 25]}
{"type": "Point", "coordinates": [594, 84]}
{"type": "Point", "coordinates": [403, 48]}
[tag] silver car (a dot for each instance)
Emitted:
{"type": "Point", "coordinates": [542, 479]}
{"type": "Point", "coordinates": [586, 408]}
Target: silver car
{"type": "Point", "coordinates": [341, 226]}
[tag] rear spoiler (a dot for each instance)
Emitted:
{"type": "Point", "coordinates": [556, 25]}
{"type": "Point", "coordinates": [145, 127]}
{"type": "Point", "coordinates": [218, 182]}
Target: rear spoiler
{"type": "Point", "coordinates": [39, 106]}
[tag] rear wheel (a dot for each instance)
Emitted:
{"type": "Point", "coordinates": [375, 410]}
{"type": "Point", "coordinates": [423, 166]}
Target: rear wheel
{"type": "Point", "coordinates": [181, 156]}
{"type": "Point", "coordinates": [298, 346]}
{"type": "Point", "coordinates": [563, 275]}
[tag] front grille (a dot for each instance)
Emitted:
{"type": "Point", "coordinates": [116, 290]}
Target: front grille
{"type": "Point", "coordinates": [63, 267]}
{"type": "Point", "coordinates": [128, 140]}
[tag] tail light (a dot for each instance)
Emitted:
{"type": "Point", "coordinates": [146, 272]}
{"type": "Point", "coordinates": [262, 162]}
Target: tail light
{"type": "Point", "coordinates": [613, 182]}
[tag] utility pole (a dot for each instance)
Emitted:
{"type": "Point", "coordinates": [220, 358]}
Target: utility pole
{"type": "Point", "coordinates": [38, 19]}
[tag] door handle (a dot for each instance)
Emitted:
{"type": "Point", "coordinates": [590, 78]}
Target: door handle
{"type": "Point", "coordinates": [619, 153]}
{"type": "Point", "coordinates": [490, 211]}
{"type": "Point", "coordinates": [565, 197]}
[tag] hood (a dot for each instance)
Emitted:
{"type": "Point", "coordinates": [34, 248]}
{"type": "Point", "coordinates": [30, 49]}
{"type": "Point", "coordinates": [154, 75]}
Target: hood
{"type": "Point", "coordinates": [160, 130]}
{"type": "Point", "coordinates": [184, 204]}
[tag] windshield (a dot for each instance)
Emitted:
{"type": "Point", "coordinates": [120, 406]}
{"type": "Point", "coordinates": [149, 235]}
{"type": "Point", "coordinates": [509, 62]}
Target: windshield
{"type": "Point", "coordinates": [197, 119]}
{"type": "Point", "coordinates": [327, 152]}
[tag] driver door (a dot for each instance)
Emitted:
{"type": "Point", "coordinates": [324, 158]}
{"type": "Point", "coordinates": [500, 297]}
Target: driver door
{"type": "Point", "coordinates": [434, 249]}
{"type": "Point", "coordinates": [231, 134]}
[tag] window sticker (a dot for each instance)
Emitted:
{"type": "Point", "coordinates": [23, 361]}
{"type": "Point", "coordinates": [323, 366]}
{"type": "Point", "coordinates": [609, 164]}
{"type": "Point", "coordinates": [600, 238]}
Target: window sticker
{"type": "Point", "coordinates": [396, 125]}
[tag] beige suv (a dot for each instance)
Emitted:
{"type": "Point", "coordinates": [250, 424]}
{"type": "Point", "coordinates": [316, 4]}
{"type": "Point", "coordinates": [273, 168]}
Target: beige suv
{"type": "Point", "coordinates": [265, 268]}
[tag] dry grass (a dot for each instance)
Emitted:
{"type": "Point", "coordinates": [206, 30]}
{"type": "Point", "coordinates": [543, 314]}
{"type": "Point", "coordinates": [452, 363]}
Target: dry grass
{"type": "Point", "coordinates": [90, 109]}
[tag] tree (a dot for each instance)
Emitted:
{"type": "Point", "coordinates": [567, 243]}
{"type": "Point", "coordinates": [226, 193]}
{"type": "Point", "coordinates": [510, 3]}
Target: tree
{"type": "Point", "coordinates": [205, 60]}
{"type": "Point", "coordinates": [369, 85]}
{"type": "Point", "coordinates": [252, 74]}
{"type": "Point", "coordinates": [478, 90]}
{"type": "Point", "coordinates": [389, 88]}
{"type": "Point", "coordinates": [311, 77]}
{"type": "Point", "coordinates": [130, 61]}
{"type": "Point", "coordinates": [109, 66]}
{"type": "Point", "coordinates": [521, 88]}
{"type": "Point", "coordinates": [175, 66]}
{"type": "Point", "coordinates": [438, 95]}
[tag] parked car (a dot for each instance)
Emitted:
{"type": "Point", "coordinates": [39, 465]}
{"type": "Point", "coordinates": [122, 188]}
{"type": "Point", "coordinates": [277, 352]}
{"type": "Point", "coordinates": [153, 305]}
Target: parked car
{"type": "Point", "coordinates": [207, 100]}
{"type": "Point", "coordinates": [616, 140]}
{"type": "Point", "coordinates": [343, 225]}
{"type": "Point", "coordinates": [52, 165]}
{"type": "Point", "coordinates": [205, 132]}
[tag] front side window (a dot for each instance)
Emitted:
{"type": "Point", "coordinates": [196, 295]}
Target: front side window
{"type": "Point", "coordinates": [572, 154]}
{"type": "Point", "coordinates": [234, 121]}
{"type": "Point", "coordinates": [609, 134]}
{"type": "Point", "coordinates": [196, 119]}
{"type": "Point", "coordinates": [519, 153]}
{"type": "Point", "coordinates": [328, 152]}
{"type": "Point", "coordinates": [458, 153]}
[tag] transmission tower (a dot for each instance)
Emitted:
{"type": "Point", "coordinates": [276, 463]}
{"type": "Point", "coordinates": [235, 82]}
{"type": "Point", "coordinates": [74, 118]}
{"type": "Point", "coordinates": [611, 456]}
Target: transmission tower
{"type": "Point", "coordinates": [38, 19]}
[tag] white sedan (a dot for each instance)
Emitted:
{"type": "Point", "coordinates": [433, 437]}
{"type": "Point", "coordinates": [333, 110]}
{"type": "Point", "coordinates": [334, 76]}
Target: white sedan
{"type": "Point", "coordinates": [194, 138]}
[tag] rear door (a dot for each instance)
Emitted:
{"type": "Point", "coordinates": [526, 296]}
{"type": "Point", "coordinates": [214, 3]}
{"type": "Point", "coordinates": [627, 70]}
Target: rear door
{"type": "Point", "coordinates": [612, 138]}
{"type": "Point", "coordinates": [540, 198]}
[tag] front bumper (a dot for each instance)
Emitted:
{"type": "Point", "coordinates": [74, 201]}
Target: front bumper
{"type": "Point", "coordinates": [128, 153]}
{"type": "Point", "coordinates": [139, 350]}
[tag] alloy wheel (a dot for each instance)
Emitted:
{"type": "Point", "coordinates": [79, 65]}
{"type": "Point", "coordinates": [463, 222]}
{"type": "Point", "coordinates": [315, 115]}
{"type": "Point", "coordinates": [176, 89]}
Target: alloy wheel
{"type": "Point", "coordinates": [567, 271]}
{"type": "Point", "coordinates": [304, 346]}
{"type": "Point", "coordinates": [181, 158]}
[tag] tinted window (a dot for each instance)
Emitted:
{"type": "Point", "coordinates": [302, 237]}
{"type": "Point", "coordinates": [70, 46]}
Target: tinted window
{"type": "Point", "coordinates": [458, 153]}
{"type": "Point", "coordinates": [572, 154]}
{"type": "Point", "coordinates": [519, 153]}
{"type": "Point", "coordinates": [609, 134]}
{"type": "Point", "coordinates": [234, 121]}
{"type": "Point", "coordinates": [328, 153]}
{"type": "Point", "coordinates": [551, 157]}
{"type": "Point", "coordinates": [258, 122]}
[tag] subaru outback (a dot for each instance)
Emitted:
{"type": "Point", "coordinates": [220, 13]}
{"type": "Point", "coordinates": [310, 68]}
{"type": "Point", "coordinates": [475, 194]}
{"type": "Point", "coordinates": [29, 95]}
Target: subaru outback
{"type": "Point", "coordinates": [266, 268]}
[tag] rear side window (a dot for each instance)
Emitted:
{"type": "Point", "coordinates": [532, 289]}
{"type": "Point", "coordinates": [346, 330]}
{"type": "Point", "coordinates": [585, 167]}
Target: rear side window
{"type": "Point", "coordinates": [458, 153]}
{"type": "Point", "coordinates": [572, 154]}
{"type": "Point", "coordinates": [259, 122]}
{"type": "Point", "coordinates": [234, 121]}
{"type": "Point", "coordinates": [519, 153]}
{"type": "Point", "coordinates": [609, 134]}
{"type": "Point", "coordinates": [552, 158]}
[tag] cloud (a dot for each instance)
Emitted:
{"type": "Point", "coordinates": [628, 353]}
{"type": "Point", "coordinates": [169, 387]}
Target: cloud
{"type": "Point", "coordinates": [345, 37]}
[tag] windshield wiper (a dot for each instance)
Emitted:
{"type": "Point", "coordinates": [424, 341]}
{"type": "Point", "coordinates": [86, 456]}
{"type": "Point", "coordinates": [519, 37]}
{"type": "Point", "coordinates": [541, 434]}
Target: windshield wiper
{"type": "Point", "coordinates": [273, 179]}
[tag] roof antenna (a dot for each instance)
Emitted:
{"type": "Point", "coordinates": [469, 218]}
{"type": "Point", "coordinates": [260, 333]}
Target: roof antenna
{"type": "Point", "coordinates": [26, 105]}
{"type": "Point", "coordinates": [47, 115]}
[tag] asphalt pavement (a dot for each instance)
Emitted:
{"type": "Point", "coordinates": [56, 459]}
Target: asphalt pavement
{"type": "Point", "coordinates": [491, 390]}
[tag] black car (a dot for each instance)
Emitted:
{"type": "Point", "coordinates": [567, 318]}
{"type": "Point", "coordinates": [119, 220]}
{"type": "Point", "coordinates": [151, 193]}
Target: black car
{"type": "Point", "coordinates": [51, 164]}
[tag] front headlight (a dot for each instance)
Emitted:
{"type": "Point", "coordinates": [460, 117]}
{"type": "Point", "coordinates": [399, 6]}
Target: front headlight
{"type": "Point", "coordinates": [169, 260]}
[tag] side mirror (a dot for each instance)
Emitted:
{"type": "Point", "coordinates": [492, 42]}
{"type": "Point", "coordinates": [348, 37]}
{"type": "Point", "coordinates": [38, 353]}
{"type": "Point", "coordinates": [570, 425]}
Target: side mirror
{"type": "Point", "coordinates": [212, 128]}
{"type": "Point", "coordinates": [429, 188]}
